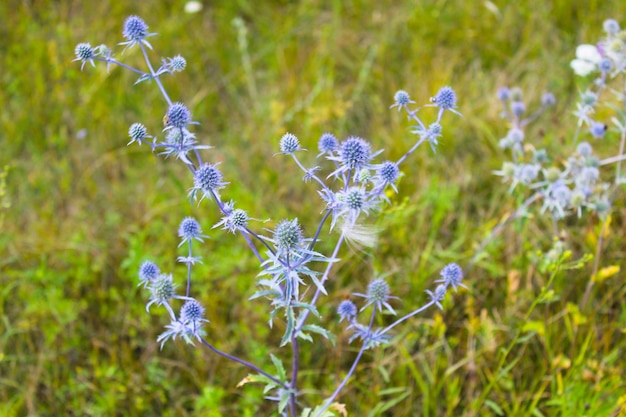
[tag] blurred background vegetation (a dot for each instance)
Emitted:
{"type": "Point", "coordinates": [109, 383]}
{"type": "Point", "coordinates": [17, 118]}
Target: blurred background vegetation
{"type": "Point", "coordinates": [80, 210]}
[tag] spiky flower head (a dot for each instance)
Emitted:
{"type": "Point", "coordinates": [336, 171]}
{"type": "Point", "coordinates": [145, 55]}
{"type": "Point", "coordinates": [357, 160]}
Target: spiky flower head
{"type": "Point", "coordinates": [605, 65]}
{"type": "Point", "coordinates": [176, 64]}
{"type": "Point", "coordinates": [451, 276]}
{"type": "Point", "coordinates": [190, 229]}
{"type": "Point", "coordinates": [163, 289]}
{"type": "Point", "coordinates": [388, 173]}
{"type": "Point", "coordinates": [234, 220]}
{"type": "Point", "coordinates": [135, 29]}
{"type": "Point", "coordinates": [354, 198]}
{"type": "Point", "coordinates": [445, 98]}
{"type": "Point", "coordinates": [177, 116]}
{"type": "Point", "coordinates": [328, 143]}
{"type": "Point", "coordinates": [84, 53]}
{"type": "Point", "coordinates": [148, 271]}
{"type": "Point", "coordinates": [611, 26]}
{"type": "Point", "coordinates": [289, 143]}
{"type": "Point", "coordinates": [208, 178]}
{"type": "Point", "coordinates": [378, 294]}
{"type": "Point", "coordinates": [401, 99]}
{"type": "Point", "coordinates": [346, 310]}
{"type": "Point", "coordinates": [355, 152]}
{"type": "Point", "coordinates": [364, 175]}
{"type": "Point", "coordinates": [540, 156]}
{"type": "Point", "coordinates": [288, 235]}
{"type": "Point", "coordinates": [589, 98]}
{"type": "Point", "coordinates": [438, 295]}
{"type": "Point", "coordinates": [137, 133]}
{"type": "Point", "coordinates": [192, 311]}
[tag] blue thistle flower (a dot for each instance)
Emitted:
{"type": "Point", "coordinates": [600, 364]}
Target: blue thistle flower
{"type": "Point", "coordinates": [176, 64]}
{"type": "Point", "coordinates": [234, 220]}
{"type": "Point", "coordinates": [189, 229]}
{"type": "Point", "coordinates": [548, 99]}
{"type": "Point", "coordinates": [207, 179]}
{"type": "Point", "coordinates": [191, 312]}
{"type": "Point", "coordinates": [611, 26]}
{"type": "Point", "coordinates": [584, 149]}
{"type": "Point", "coordinates": [503, 94]}
{"type": "Point", "coordinates": [327, 144]}
{"type": "Point", "coordinates": [401, 99]}
{"type": "Point", "coordinates": [605, 65]}
{"type": "Point", "coordinates": [163, 289]}
{"type": "Point", "coordinates": [438, 295]}
{"type": "Point", "coordinates": [288, 235]}
{"type": "Point", "coordinates": [387, 174]}
{"type": "Point", "coordinates": [177, 116]}
{"type": "Point", "coordinates": [451, 276]}
{"type": "Point", "coordinates": [378, 294]}
{"type": "Point", "coordinates": [598, 130]}
{"type": "Point", "coordinates": [445, 98]}
{"type": "Point", "coordinates": [84, 53]}
{"type": "Point", "coordinates": [137, 133]}
{"type": "Point", "coordinates": [289, 143]}
{"type": "Point", "coordinates": [355, 152]}
{"type": "Point", "coordinates": [518, 108]}
{"type": "Point", "coordinates": [148, 272]}
{"type": "Point", "coordinates": [135, 32]}
{"type": "Point", "coordinates": [346, 310]}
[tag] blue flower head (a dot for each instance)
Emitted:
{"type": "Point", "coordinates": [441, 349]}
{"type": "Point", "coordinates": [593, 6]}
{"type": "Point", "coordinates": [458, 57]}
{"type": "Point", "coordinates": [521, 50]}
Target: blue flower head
{"type": "Point", "coordinates": [189, 229]}
{"type": "Point", "coordinates": [438, 295]}
{"type": "Point", "coordinates": [288, 235]}
{"type": "Point", "coordinates": [135, 32]}
{"type": "Point", "coordinates": [401, 99]}
{"type": "Point", "coordinates": [327, 144]}
{"type": "Point", "coordinates": [503, 94]}
{"type": "Point", "coordinates": [611, 26]}
{"type": "Point", "coordinates": [355, 152]}
{"type": "Point", "coordinates": [177, 116]}
{"type": "Point", "coordinates": [163, 289]}
{"type": "Point", "coordinates": [289, 143]}
{"type": "Point", "coordinates": [378, 294]}
{"type": "Point", "coordinates": [234, 220]}
{"type": "Point", "coordinates": [191, 311]}
{"type": "Point", "coordinates": [346, 310]}
{"type": "Point", "coordinates": [176, 64]}
{"type": "Point", "coordinates": [584, 149]}
{"type": "Point", "coordinates": [445, 98]}
{"type": "Point", "coordinates": [148, 272]}
{"type": "Point", "coordinates": [548, 99]}
{"type": "Point", "coordinates": [605, 65]}
{"type": "Point", "coordinates": [207, 179]}
{"type": "Point", "coordinates": [388, 173]}
{"type": "Point", "coordinates": [598, 130]}
{"type": "Point", "coordinates": [84, 53]}
{"type": "Point", "coordinates": [518, 108]}
{"type": "Point", "coordinates": [137, 133]}
{"type": "Point", "coordinates": [451, 276]}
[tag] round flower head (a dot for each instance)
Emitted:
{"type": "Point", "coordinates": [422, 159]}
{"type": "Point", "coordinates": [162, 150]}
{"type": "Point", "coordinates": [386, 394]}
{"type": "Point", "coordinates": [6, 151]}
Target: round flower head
{"type": "Point", "coordinates": [527, 173]}
{"type": "Point", "coordinates": [355, 152]}
{"type": "Point", "coordinates": [598, 129]}
{"type": "Point", "coordinates": [177, 116]}
{"type": "Point", "coordinates": [589, 98]}
{"type": "Point", "coordinates": [235, 220]}
{"type": "Point", "coordinates": [176, 64]}
{"type": "Point", "coordinates": [189, 229]}
{"type": "Point", "coordinates": [438, 295]}
{"type": "Point", "coordinates": [517, 94]}
{"type": "Point", "coordinates": [401, 99]}
{"type": "Point", "coordinates": [327, 143]}
{"type": "Point", "coordinates": [605, 65]}
{"type": "Point", "coordinates": [503, 94]}
{"type": "Point", "coordinates": [191, 312]}
{"type": "Point", "coordinates": [148, 271]}
{"type": "Point", "coordinates": [135, 29]}
{"type": "Point", "coordinates": [208, 178]}
{"type": "Point", "coordinates": [584, 149]}
{"type": "Point", "coordinates": [288, 235]}
{"type": "Point", "coordinates": [137, 133]}
{"type": "Point", "coordinates": [346, 310]}
{"type": "Point", "coordinates": [84, 53]}
{"type": "Point", "coordinates": [445, 98]}
{"type": "Point", "coordinates": [518, 108]}
{"type": "Point", "coordinates": [289, 143]}
{"type": "Point", "coordinates": [163, 289]}
{"type": "Point", "coordinates": [451, 276]}
{"type": "Point", "coordinates": [378, 294]}
{"type": "Point", "coordinates": [553, 174]}
{"type": "Point", "coordinates": [548, 99]}
{"type": "Point", "coordinates": [540, 156]}
{"type": "Point", "coordinates": [610, 26]}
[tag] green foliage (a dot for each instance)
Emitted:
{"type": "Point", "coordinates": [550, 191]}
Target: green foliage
{"type": "Point", "coordinates": [80, 211]}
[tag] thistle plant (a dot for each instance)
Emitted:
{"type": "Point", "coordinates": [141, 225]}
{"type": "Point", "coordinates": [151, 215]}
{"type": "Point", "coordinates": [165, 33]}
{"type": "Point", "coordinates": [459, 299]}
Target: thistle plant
{"type": "Point", "coordinates": [294, 276]}
{"type": "Point", "coordinates": [574, 183]}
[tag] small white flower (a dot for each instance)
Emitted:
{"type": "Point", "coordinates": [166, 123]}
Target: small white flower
{"type": "Point", "coordinates": [587, 59]}
{"type": "Point", "coordinates": [193, 7]}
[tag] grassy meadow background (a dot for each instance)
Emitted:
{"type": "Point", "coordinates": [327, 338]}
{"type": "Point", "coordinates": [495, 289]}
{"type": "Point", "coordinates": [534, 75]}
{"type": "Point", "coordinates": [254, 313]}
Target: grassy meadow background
{"type": "Point", "coordinates": [80, 211]}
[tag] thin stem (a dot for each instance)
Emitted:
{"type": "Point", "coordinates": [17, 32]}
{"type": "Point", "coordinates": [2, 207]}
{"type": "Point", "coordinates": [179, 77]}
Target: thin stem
{"type": "Point", "coordinates": [154, 76]}
{"type": "Point", "coordinates": [244, 363]}
{"type": "Point", "coordinates": [189, 270]}
{"type": "Point", "coordinates": [330, 399]}
{"type": "Point", "coordinates": [406, 317]}
{"type": "Point", "coordinates": [295, 366]}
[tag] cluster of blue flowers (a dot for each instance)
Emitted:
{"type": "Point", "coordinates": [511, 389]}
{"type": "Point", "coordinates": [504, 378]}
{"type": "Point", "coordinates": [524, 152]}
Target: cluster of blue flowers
{"type": "Point", "coordinates": [355, 187]}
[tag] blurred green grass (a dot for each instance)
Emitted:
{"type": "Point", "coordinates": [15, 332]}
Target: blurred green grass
{"type": "Point", "coordinates": [84, 213]}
